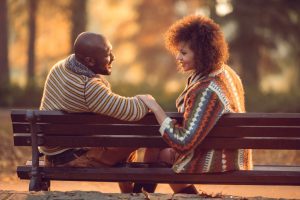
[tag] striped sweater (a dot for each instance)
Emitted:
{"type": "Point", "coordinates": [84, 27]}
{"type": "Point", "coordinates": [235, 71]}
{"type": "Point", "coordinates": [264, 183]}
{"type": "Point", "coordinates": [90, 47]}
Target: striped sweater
{"type": "Point", "coordinates": [69, 91]}
{"type": "Point", "coordinates": [205, 100]}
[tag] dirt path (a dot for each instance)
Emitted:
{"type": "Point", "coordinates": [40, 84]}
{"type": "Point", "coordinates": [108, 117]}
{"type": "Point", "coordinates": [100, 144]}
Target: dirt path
{"type": "Point", "coordinates": [81, 195]}
{"type": "Point", "coordinates": [245, 191]}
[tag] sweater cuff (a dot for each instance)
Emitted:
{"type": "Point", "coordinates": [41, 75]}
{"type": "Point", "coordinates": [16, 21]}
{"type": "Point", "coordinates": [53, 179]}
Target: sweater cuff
{"type": "Point", "coordinates": [164, 125]}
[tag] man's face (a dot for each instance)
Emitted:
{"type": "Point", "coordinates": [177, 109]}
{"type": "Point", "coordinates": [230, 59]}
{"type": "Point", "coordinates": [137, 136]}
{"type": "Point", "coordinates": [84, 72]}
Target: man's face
{"type": "Point", "coordinates": [103, 59]}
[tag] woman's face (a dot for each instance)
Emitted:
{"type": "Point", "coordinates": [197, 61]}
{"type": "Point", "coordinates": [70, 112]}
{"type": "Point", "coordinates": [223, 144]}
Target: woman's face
{"type": "Point", "coordinates": [185, 57]}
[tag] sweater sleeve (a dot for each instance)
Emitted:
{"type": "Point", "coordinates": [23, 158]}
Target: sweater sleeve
{"type": "Point", "coordinates": [203, 109]}
{"type": "Point", "coordinates": [100, 99]}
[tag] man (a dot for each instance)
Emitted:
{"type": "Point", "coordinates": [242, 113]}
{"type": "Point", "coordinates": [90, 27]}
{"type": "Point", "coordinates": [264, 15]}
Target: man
{"type": "Point", "coordinates": [75, 84]}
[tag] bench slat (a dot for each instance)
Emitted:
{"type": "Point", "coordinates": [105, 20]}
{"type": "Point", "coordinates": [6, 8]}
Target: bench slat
{"type": "Point", "coordinates": [230, 119]}
{"type": "Point", "coordinates": [157, 141]}
{"type": "Point", "coordinates": [129, 129]}
{"type": "Point", "coordinates": [260, 119]}
{"type": "Point", "coordinates": [77, 118]}
{"type": "Point", "coordinates": [271, 176]}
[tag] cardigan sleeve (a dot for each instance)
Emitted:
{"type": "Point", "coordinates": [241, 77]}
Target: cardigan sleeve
{"type": "Point", "coordinates": [203, 109]}
{"type": "Point", "coordinates": [100, 99]}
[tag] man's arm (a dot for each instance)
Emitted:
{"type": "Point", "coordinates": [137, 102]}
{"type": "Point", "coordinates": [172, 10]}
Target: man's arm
{"type": "Point", "coordinates": [100, 99]}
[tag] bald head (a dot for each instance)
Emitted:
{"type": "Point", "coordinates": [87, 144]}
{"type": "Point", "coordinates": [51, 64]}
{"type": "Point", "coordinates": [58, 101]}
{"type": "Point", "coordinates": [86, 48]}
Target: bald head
{"type": "Point", "coordinates": [86, 43]}
{"type": "Point", "coordinates": [94, 51]}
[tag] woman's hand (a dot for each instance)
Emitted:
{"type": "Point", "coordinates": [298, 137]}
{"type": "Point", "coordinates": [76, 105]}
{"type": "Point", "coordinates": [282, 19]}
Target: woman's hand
{"type": "Point", "coordinates": [154, 107]}
{"type": "Point", "coordinates": [149, 101]}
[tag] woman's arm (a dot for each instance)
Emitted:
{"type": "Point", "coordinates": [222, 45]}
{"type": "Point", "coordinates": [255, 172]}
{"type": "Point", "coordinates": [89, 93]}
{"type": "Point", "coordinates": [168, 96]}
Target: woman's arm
{"type": "Point", "coordinates": [203, 109]}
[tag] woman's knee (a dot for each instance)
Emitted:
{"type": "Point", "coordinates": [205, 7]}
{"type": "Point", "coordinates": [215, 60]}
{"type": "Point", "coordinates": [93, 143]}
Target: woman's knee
{"type": "Point", "coordinates": [167, 155]}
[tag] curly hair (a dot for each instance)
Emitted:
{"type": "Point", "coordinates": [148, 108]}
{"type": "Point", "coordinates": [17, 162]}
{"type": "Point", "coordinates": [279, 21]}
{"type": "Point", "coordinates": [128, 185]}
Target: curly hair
{"type": "Point", "coordinates": [205, 38]}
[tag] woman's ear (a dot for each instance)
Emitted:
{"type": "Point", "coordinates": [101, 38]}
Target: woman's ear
{"type": "Point", "coordinates": [90, 61]}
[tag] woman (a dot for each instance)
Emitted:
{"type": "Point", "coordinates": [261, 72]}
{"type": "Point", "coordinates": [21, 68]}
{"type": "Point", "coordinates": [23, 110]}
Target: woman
{"type": "Point", "coordinates": [212, 89]}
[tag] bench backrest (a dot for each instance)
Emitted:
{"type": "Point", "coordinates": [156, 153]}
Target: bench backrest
{"type": "Point", "coordinates": [234, 130]}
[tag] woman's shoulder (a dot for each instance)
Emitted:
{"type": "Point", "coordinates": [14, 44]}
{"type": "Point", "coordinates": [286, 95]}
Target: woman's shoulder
{"type": "Point", "coordinates": [200, 87]}
{"type": "Point", "coordinates": [215, 80]}
{"type": "Point", "coordinates": [210, 84]}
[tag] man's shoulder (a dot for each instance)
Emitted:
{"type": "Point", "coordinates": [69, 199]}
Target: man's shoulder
{"type": "Point", "coordinates": [57, 66]}
{"type": "Point", "coordinates": [99, 81]}
{"type": "Point", "coordinates": [61, 70]}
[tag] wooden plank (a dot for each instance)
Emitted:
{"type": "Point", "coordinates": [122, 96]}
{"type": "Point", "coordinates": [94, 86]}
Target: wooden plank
{"type": "Point", "coordinates": [230, 119]}
{"type": "Point", "coordinates": [260, 119]}
{"type": "Point", "coordinates": [166, 175]}
{"type": "Point", "coordinates": [157, 141]}
{"type": "Point", "coordinates": [90, 129]}
{"type": "Point", "coordinates": [130, 129]}
{"type": "Point", "coordinates": [76, 118]}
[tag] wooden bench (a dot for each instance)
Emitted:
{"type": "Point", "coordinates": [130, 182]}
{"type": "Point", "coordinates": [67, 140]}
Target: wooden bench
{"type": "Point", "coordinates": [233, 131]}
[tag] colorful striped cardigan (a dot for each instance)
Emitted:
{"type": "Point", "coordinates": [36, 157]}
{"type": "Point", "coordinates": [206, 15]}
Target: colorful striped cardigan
{"type": "Point", "coordinates": [205, 100]}
{"type": "Point", "coordinates": [69, 91]}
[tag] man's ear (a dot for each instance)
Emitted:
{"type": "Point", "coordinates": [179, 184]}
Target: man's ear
{"type": "Point", "coordinates": [90, 61]}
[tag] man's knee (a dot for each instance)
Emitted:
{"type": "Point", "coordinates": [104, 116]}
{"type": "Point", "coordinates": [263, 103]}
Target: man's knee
{"type": "Point", "coordinates": [152, 154]}
{"type": "Point", "coordinates": [168, 155]}
{"type": "Point", "coordinates": [112, 155]}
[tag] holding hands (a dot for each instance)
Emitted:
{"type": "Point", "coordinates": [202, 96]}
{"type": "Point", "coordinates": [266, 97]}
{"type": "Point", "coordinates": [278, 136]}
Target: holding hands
{"type": "Point", "coordinates": [149, 101]}
{"type": "Point", "coordinates": [154, 107]}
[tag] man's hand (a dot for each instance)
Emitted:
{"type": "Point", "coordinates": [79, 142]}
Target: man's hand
{"type": "Point", "coordinates": [154, 106]}
{"type": "Point", "coordinates": [149, 101]}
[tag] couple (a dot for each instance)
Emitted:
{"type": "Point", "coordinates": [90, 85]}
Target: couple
{"type": "Point", "coordinates": [76, 84]}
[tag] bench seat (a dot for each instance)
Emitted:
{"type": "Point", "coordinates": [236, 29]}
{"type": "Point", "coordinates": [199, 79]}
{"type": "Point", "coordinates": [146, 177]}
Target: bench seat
{"type": "Point", "coordinates": [261, 175]}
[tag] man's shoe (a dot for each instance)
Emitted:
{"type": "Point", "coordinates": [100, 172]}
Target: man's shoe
{"type": "Point", "coordinates": [189, 190]}
{"type": "Point", "coordinates": [148, 187]}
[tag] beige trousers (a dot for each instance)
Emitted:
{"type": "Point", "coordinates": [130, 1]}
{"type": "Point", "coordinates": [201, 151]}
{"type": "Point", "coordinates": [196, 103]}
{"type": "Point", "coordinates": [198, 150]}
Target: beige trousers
{"type": "Point", "coordinates": [103, 157]}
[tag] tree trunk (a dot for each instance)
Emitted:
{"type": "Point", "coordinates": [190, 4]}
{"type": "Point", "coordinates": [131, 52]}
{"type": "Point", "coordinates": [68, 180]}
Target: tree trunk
{"type": "Point", "coordinates": [249, 52]}
{"type": "Point", "coordinates": [78, 18]}
{"type": "Point", "coordinates": [32, 4]}
{"type": "Point", "coordinates": [247, 42]}
{"type": "Point", "coordinates": [4, 66]}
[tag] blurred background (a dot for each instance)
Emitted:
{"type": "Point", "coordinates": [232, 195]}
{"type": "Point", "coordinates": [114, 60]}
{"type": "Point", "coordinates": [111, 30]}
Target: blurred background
{"type": "Point", "coordinates": [263, 37]}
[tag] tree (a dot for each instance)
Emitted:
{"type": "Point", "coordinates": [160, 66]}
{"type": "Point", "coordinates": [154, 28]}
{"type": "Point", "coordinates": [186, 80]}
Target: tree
{"type": "Point", "coordinates": [78, 18]}
{"type": "Point", "coordinates": [150, 38]}
{"type": "Point", "coordinates": [4, 65]}
{"type": "Point", "coordinates": [260, 24]}
{"type": "Point", "coordinates": [32, 8]}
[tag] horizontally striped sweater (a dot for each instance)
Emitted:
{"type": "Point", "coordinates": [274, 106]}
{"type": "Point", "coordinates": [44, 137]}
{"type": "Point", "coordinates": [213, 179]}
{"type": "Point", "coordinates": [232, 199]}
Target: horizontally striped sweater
{"type": "Point", "coordinates": [85, 92]}
{"type": "Point", "coordinates": [205, 99]}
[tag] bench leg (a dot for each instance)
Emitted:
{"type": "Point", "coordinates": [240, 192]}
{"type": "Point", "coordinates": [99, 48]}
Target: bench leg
{"type": "Point", "coordinates": [45, 185]}
{"type": "Point", "coordinates": [35, 184]}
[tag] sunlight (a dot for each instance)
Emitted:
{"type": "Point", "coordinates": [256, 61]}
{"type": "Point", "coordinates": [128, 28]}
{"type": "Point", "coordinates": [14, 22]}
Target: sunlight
{"type": "Point", "coordinates": [106, 17]}
{"type": "Point", "coordinates": [224, 7]}
{"type": "Point", "coordinates": [278, 83]}
{"type": "Point", "coordinates": [134, 75]}
{"type": "Point", "coordinates": [203, 11]}
{"type": "Point", "coordinates": [17, 76]}
{"type": "Point", "coordinates": [125, 53]}
{"type": "Point", "coordinates": [172, 86]}
{"type": "Point", "coordinates": [181, 8]}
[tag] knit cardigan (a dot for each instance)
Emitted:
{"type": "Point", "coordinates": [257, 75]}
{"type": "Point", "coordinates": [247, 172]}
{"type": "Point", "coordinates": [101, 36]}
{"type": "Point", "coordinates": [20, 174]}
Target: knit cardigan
{"type": "Point", "coordinates": [69, 91]}
{"type": "Point", "coordinates": [205, 102]}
